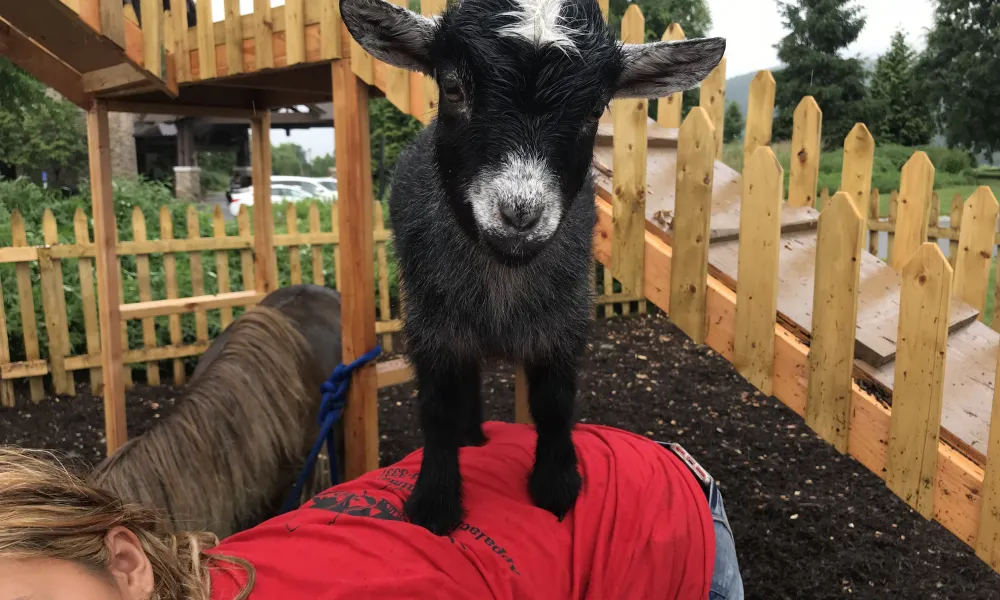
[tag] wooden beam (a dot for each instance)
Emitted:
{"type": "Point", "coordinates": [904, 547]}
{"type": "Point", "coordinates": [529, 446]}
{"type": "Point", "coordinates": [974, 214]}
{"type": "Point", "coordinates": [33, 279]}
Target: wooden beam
{"type": "Point", "coordinates": [959, 479]}
{"type": "Point", "coordinates": [394, 372]}
{"type": "Point", "coordinates": [99, 147]}
{"type": "Point", "coordinates": [266, 274]}
{"type": "Point", "coordinates": [180, 110]}
{"type": "Point", "coordinates": [177, 306]}
{"type": "Point", "coordinates": [111, 78]}
{"type": "Point", "coordinates": [42, 65]}
{"type": "Point", "coordinates": [354, 182]}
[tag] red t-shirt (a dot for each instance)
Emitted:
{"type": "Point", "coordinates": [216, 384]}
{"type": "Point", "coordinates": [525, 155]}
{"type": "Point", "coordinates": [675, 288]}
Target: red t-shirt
{"type": "Point", "coordinates": [640, 529]}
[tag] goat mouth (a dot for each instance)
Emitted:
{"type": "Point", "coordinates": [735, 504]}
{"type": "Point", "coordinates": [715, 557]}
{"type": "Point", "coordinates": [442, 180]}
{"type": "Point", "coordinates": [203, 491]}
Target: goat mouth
{"type": "Point", "coordinates": [513, 251]}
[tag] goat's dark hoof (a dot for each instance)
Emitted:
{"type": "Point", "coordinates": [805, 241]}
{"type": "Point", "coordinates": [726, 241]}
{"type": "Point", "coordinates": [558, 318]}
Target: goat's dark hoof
{"type": "Point", "coordinates": [555, 490]}
{"type": "Point", "coordinates": [474, 437]}
{"type": "Point", "coordinates": [434, 512]}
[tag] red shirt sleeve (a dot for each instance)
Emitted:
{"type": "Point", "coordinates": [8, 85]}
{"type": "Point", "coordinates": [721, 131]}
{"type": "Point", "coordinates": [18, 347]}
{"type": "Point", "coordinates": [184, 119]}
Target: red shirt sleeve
{"type": "Point", "coordinates": [641, 529]}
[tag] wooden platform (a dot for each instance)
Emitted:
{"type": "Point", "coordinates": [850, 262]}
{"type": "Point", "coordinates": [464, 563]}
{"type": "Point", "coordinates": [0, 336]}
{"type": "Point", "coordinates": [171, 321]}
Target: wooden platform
{"type": "Point", "coordinates": [972, 346]}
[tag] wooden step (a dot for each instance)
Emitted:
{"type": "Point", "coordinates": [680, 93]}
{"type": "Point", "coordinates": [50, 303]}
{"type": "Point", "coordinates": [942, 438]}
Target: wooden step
{"type": "Point", "coordinates": [176, 306]}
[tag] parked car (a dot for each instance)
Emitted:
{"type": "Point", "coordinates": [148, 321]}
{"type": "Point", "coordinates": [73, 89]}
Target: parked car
{"type": "Point", "coordinates": [279, 193]}
{"type": "Point", "coordinates": [310, 185]}
{"type": "Point", "coordinates": [328, 182]}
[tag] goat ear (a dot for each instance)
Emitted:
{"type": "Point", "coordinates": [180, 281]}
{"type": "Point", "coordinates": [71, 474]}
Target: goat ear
{"type": "Point", "coordinates": [658, 69]}
{"type": "Point", "coordinates": [390, 33]}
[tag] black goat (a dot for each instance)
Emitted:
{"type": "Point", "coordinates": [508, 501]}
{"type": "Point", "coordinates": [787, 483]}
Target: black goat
{"type": "Point", "coordinates": [493, 212]}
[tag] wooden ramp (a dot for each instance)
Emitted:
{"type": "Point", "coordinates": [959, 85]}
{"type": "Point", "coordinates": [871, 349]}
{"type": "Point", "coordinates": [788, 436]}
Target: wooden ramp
{"type": "Point", "coordinates": [972, 346]}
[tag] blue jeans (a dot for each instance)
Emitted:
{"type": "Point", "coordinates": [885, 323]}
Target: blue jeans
{"type": "Point", "coordinates": [727, 584]}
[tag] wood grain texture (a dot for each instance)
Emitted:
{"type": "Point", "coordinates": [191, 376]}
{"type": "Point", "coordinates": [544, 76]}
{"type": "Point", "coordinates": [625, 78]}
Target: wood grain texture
{"type": "Point", "coordinates": [807, 137]}
{"type": "Point", "coordinates": [713, 100]}
{"type": "Point", "coordinates": [263, 30]}
{"type": "Point", "coordinates": [988, 538]}
{"type": "Point", "coordinates": [975, 248]}
{"type": "Point", "coordinates": [266, 275]}
{"type": "Point", "coordinates": [234, 38]}
{"type": "Point", "coordinates": [60, 326]}
{"type": "Point", "coordinates": [170, 280]}
{"type": "Point", "coordinates": [206, 41]}
{"type": "Point", "coordinates": [760, 113]}
{"type": "Point", "coordinates": [221, 264]}
{"type": "Point", "coordinates": [914, 204]}
{"type": "Point", "coordinates": [856, 173]}
{"type": "Point", "coordinates": [26, 302]}
{"type": "Point", "coordinates": [197, 274]}
{"type": "Point", "coordinates": [145, 293]}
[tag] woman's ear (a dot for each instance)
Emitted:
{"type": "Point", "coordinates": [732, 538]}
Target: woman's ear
{"type": "Point", "coordinates": [391, 33]}
{"type": "Point", "coordinates": [129, 565]}
{"type": "Point", "coordinates": [658, 69]}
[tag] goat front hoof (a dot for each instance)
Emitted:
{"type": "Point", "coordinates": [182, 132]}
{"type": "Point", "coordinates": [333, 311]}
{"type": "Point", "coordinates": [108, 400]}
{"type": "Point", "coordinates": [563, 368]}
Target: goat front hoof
{"type": "Point", "coordinates": [434, 512]}
{"type": "Point", "coordinates": [555, 491]}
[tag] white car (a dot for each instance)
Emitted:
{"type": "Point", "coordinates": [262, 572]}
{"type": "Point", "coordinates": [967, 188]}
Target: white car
{"type": "Point", "coordinates": [310, 185]}
{"type": "Point", "coordinates": [279, 193]}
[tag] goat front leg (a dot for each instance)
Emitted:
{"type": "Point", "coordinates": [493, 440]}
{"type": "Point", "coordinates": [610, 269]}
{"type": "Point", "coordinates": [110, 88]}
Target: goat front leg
{"type": "Point", "coordinates": [436, 501]}
{"type": "Point", "coordinates": [554, 482]}
{"type": "Point", "coordinates": [472, 423]}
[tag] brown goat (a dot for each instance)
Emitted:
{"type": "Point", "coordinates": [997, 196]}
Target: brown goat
{"type": "Point", "coordinates": [227, 455]}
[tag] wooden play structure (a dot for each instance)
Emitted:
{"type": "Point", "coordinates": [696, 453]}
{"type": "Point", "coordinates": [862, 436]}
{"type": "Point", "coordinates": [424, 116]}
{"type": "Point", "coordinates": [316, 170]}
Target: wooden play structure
{"type": "Point", "coordinates": [889, 362]}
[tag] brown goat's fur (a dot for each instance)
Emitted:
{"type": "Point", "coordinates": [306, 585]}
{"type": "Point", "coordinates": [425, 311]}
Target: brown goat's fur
{"type": "Point", "coordinates": [228, 454]}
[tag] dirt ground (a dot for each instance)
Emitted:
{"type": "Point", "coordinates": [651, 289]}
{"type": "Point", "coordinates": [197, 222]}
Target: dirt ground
{"type": "Point", "coordinates": [809, 523]}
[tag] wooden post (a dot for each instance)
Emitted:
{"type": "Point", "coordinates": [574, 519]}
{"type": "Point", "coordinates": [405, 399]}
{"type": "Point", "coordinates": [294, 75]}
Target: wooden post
{"type": "Point", "coordinates": [988, 538]}
{"type": "Point", "coordinates": [7, 399]}
{"type": "Point", "coordinates": [99, 149]}
{"type": "Point", "coordinates": [26, 301]}
{"type": "Point", "coordinates": [915, 189]}
{"type": "Point", "coordinates": [668, 111]}
{"type": "Point", "coordinates": [234, 38]}
{"type": "Point", "coordinates": [760, 113]}
{"type": "Point", "coordinates": [975, 249]}
{"type": "Point", "coordinates": [757, 271]}
{"type": "Point", "coordinates": [295, 32]}
{"type": "Point", "coordinates": [266, 279]}
{"type": "Point", "coordinates": [263, 27]}
{"type": "Point", "coordinates": [689, 263]}
{"type": "Point", "coordinates": [713, 100]}
{"type": "Point", "coordinates": [145, 294]}
{"type": "Point", "coordinates": [335, 222]}
{"type": "Point", "coordinates": [61, 325]}
{"type": "Point", "coordinates": [807, 133]}
{"type": "Point", "coordinates": [856, 173]}
{"type": "Point", "coordinates": [629, 178]}
{"type": "Point", "coordinates": [925, 300]}
{"type": "Point", "coordinates": [181, 49]}
{"type": "Point", "coordinates": [85, 266]}
{"type": "Point", "coordinates": [330, 30]}
{"type": "Point", "coordinates": [835, 310]}
{"type": "Point", "coordinates": [152, 36]}
{"type": "Point", "coordinates": [354, 182]}
{"type": "Point", "coordinates": [206, 41]}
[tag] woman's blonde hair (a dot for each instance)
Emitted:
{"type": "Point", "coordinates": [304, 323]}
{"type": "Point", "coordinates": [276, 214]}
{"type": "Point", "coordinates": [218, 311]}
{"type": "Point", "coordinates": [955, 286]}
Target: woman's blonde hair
{"type": "Point", "coordinates": [48, 512]}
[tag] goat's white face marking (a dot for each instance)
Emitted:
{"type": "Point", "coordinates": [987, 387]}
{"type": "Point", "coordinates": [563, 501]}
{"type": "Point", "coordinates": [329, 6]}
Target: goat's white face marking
{"type": "Point", "coordinates": [540, 22]}
{"type": "Point", "coordinates": [523, 183]}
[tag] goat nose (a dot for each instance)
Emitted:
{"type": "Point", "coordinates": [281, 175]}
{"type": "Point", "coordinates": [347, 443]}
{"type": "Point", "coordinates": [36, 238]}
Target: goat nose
{"type": "Point", "coordinates": [520, 218]}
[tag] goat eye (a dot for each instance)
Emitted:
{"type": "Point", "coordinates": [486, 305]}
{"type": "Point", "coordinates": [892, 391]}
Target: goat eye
{"type": "Point", "coordinates": [596, 114]}
{"type": "Point", "coordinates": [452, 91]}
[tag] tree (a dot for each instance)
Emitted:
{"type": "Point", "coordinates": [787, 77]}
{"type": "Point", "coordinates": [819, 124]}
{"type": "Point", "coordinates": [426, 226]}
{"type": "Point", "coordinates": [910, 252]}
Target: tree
{"type": "Point", "coordinates": [900, 114]}
{"type": "Point", "coordinates": [960, 71]}
{"type": "Point", "coordinates": [732, 127]}
{"type": "Point", "coordinates": [289, 159]}
{"type": "Point", "coordinates": [818, 31]}
{"type": "Point", "coordinates": [398, 129]}
{"type": "Point", "coordinates": [321, 166]}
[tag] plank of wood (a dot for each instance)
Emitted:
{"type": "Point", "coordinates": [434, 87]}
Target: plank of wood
{"type": "Point", "coordinates": [911, 463]}
{"type": "Point", "coordinates": [112, 20]}
{"type": "Point", "coordinates": [856, 173]}
{"type": "Point", "coordinates": [350, 106]}
{"type": "Point", "coordinates": [141, 355]}
{"type": "Point", "coordinates": [394, 372]}
{"type": "Point", "coordinates": [695, 167]}
{"type": "Point", "coordinates": [152, 37]}
{"type": "Point", "coordinates": [170, 277]}
{"type": "Point", "coordinates": [975, 248]}
{"type": "Point", "coordinates": [295, 32]}
{"type": "Point", "coordinates": [382, 264]}
{"type": "Point", "coordinates": [221, 265]}
{"type": "Point", "coordinates": [26, 302]}
{"type": "Point", "coordinates": [317, 250]}
{"type": "Point", "coordinates": [85, 266]}
{"type": "Point", "coordinates": [145, 293]}
{"type": "Point", "coordinates": [915, 189]}
{"type": "Point", "coordinates": [831, 351]}
{"type": "Point", "coordinates": [988, 537]}
{"type": "Point", "coordinates": [335, 220]}
{"type": "Point", "coordinates": [294, 252]}
{"type": "Point", "coordinates": [266, 274]}
{"type": "Point", "coordinates": [807, 135]}
{"type": "Point", "coordinates": [99, 147]}
{"type": "Point", "coordinates": [668, 111]}
{"type": "Point", "coordinates": [330, 30]}
{"type": "Point", "coordinates": [7, 398]}
{"type": "Point", "coordinates": [181, 46]}
{"type": "Point", "coordinates": [109, 79]}
{"type": "Point", "coordinates": [713, 100]}
{"type": "Point", "coordinates": [234, 37]}
{"type": "Point", "coordinates": [194, 304]}
{"type": "Point", "coordinates": [206, 41]}
{"type": "Point", "coordinates": [959, 479]}
{"type": "Point", "coordinates": [50, 232]}
{"type": "Point", "coordinates": [51, 288]}
{"type": "Point", "coordinates": [629, 177]}
{"type": "Point", "coordinates": [657, 136]}
{"type": "Point", "coordinates": [247, 269]}
{"type": "Point", "coordinates": [263, 30]}
{"type": "Point", "coordinates": [43, 66]}
{"type": "Point", "coordinates": [760, 113]}
{"type": "Point", "coordinates": [197, 274]}
{"type": "Point", "coordinates": [757, 293]}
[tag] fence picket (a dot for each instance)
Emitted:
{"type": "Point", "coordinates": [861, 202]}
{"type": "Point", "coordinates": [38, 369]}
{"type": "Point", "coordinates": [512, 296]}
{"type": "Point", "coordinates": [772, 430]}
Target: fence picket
{"type": "Point", "coordinates": [294, 252]}
{"type": "Point", "coordinates": [873, 217]}
{"type": "Point", "coordinates": [975, 249]}
{"type": "Point", "coordinates": [50, 232]}
{"type": "Point", "coordinates": [246, 255]}
{"type": "Point", "coordinates": [126, 367]}
{"type": "Point", "coordinates": [835, 310]}
{"type": "Point", "coordinates": [382, 274]}
{"type": "Point", "coordinates": [145, 293]}
{"type": "Point", "coordinates": [221, 265]}
{"type": "Point", "coordinates": [955, 222]}
{"type": "Point", "coordinates": [856, 173]}
{"type": "Point", "coordinates": [170, 276]}
{"type": "Point", "coordinates": [893, 216]}
{"type": "Point", "coordinates": [807, 133]}
{"type": "Point", "coordinates": [317, 250]}
{"type": "Point", "coordinates": [197, 274]}
{"type": "Point", "coordinates": [7, 399]}
{"type": "Point", "coordinates": [988, 536]}
{"type": "Point", "coordinates": [51, 287]}
{"type": "Point", "coordinates": [25, 297]}
{"type": "Point", "coordinates": [760, 113]}
{"type": "Point", "coordinates": [757, 269]}
{"type": "Point", "coordinates": [713, 100]}
{"type": "Point", "coordinates": [914, 430]}
{"type": "Point", "coordinates": [668, 110]}
{"type": "Point", "coordinates": [689, 263]}
{"type": "Point", "coordinates": [85, 266]}
{"type": "Point", "coordinates": [915, 189]}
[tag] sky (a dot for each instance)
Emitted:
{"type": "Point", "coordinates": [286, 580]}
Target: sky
{"type": "Point", "coordinates": [751, 28]}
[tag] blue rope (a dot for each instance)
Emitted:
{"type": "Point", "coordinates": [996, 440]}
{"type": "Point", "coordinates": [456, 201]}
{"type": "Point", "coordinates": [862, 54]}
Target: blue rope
{"type": "Point", "coordinates": [332, 406]}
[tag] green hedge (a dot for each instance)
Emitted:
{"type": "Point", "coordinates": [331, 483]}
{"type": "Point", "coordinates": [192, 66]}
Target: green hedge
{"type": "Point", "coordinates": [32, 201]}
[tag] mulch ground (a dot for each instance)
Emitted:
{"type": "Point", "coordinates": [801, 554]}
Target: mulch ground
{"type": "Point", "coordinates": [809, 523]}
